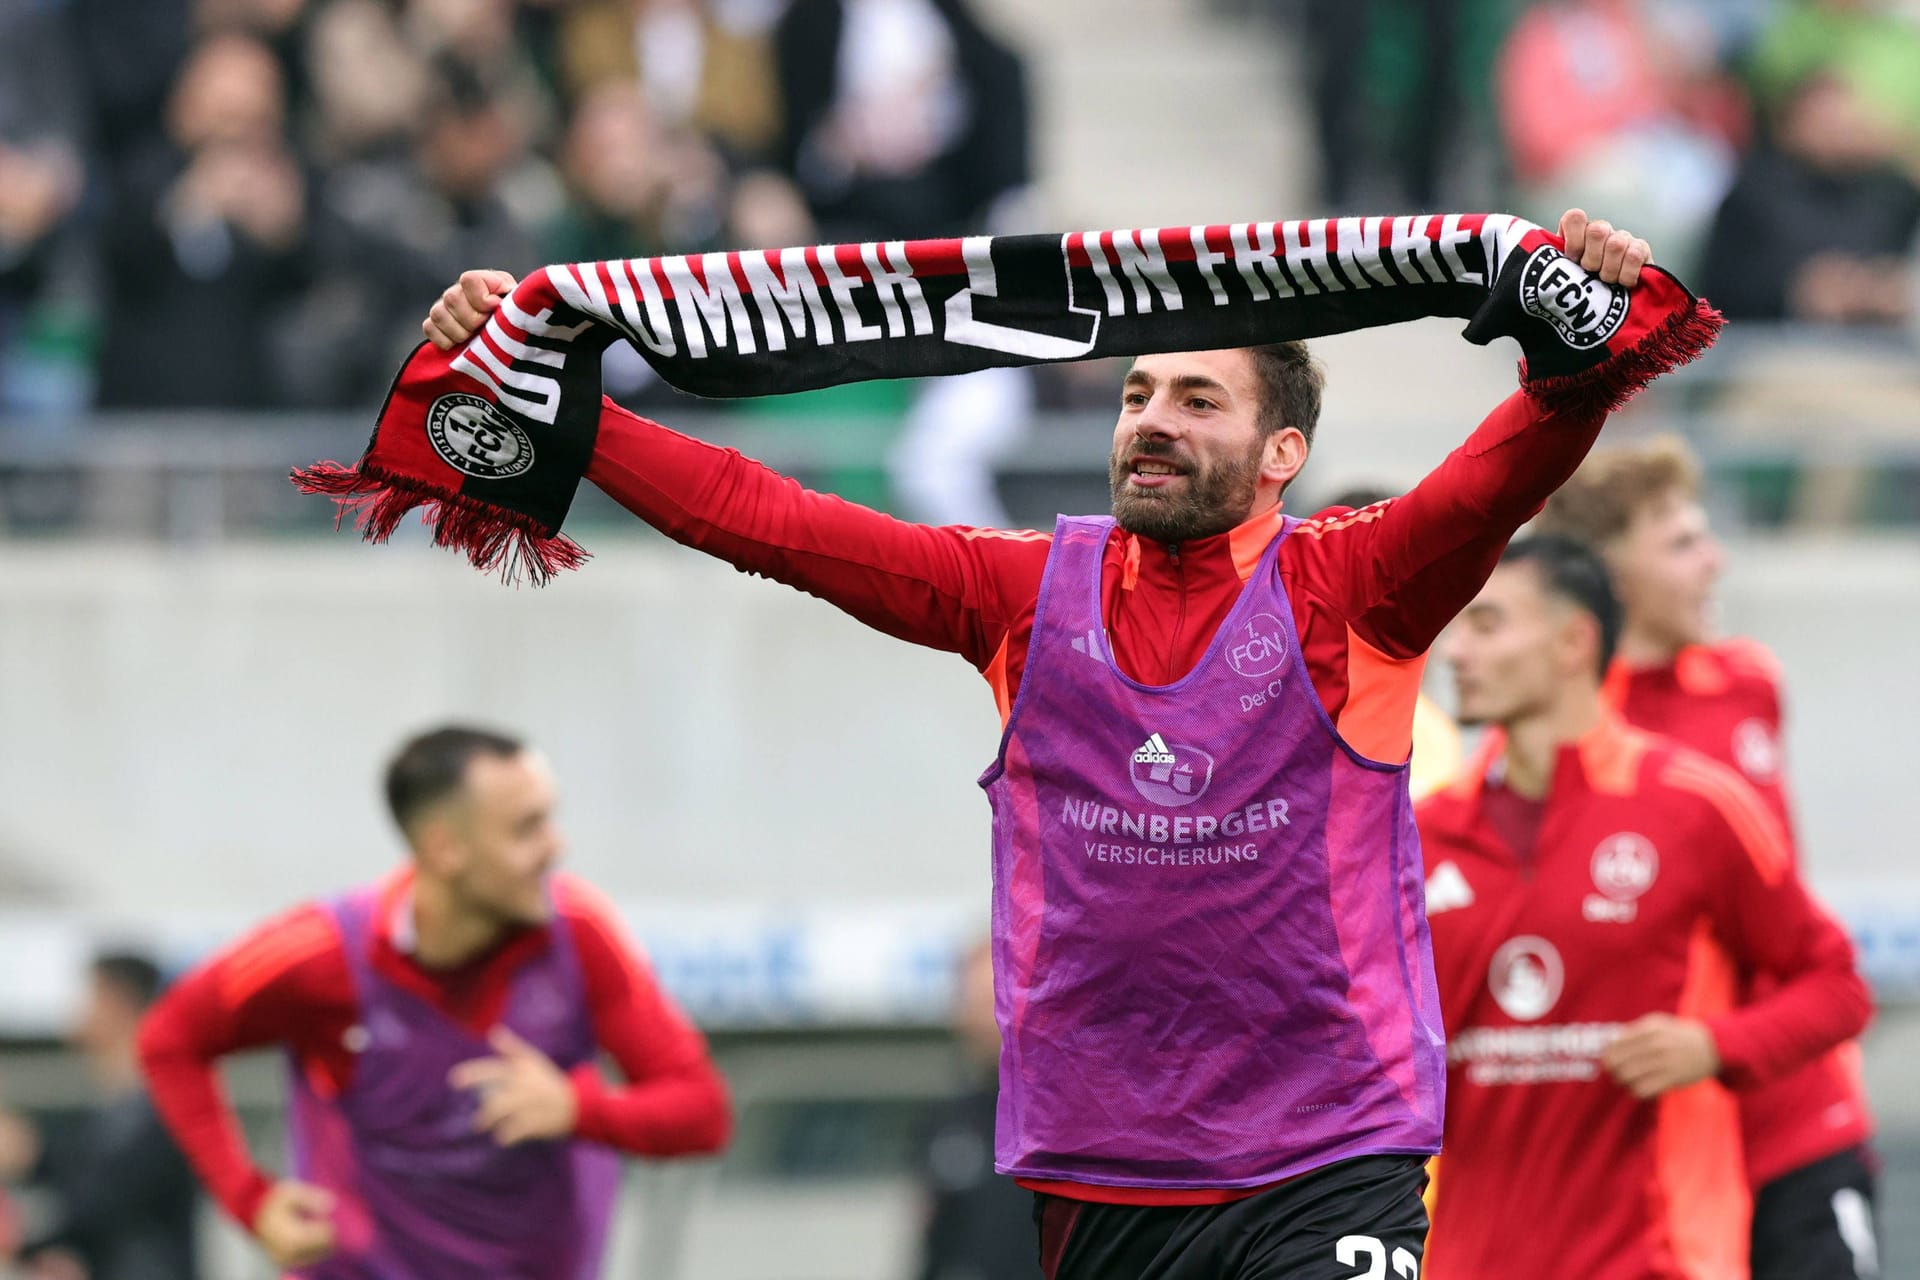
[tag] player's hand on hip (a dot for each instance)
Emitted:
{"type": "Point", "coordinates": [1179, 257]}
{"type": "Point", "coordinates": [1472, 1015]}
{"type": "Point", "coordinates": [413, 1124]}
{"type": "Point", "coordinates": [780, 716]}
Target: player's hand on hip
{"type": "Point", "coordinates": [1659, 1052]}
{"type": "Point", "coordinates": [524, 1097]}
{"type": "Point", "coordinates": [465, 306]}
{"type": "Point", "coordinates": [1614, 255]}
{"type": "Point", "coordinates": [294, 1223]}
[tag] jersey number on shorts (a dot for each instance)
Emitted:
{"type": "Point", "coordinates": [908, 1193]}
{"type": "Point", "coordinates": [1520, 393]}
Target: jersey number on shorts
{"type": "Point", "coordinates": [1351, 1250]}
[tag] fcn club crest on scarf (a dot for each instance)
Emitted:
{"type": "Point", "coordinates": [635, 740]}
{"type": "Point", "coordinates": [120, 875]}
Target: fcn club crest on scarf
{"type": "Point", "coordinates": [478, 439]}
{"type": "Point", "coordinates": [1583, 310]}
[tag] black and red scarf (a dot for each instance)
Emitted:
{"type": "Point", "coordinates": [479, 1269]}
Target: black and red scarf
{"type": "Point", "coordinates": [492, 438]}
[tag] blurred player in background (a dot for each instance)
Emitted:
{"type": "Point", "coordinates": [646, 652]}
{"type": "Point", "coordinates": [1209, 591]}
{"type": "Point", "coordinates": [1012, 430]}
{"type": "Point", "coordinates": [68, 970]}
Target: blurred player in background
{"type": "Point", "coordinates": [121, 1200]}
{"type": "Point", "coordinates": [447, 1118]}
{"type": "Point", "coordinates": [979, 1224]}
{"type": "Point", "coordinates": [1183, 1104]}
{"type": "Point", "coordinates": [1807, 1134]}
{"type": "Point", "coordinates": [1597, 896]}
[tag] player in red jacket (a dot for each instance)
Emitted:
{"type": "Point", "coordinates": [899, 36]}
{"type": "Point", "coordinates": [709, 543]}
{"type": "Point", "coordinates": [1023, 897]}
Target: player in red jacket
{"type": "Point", "coordinates": [1597, 896]}
{"type": "Point", "coordinates": [432, 1133]}
{"type": "Point", "coordinates": [1203, 448]}
{"type": "Point", "coordinates": [1807, 1134]}
{"type": "Point", "coordinates": [1371, 588]}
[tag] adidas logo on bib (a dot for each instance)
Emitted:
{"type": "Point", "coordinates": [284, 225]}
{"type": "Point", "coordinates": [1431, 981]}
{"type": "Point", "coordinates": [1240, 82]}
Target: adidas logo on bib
{"type": "Point", "coordinates": [1153, 751]}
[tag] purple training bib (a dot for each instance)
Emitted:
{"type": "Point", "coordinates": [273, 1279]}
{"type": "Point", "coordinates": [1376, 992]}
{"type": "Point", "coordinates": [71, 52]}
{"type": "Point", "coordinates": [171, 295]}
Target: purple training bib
{"type": "Point", "coordinates": [1211, 958]}
{"type": "Point", "coordinates": [422, 1196]}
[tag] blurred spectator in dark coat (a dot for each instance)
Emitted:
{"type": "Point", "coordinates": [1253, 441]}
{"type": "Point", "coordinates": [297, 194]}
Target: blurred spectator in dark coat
{"type": "Point", "coordinates": [1821, 223]}
{"type": "Point", "coordinates": [122, 1199]}
{"type": "Point", "coordinates": [903, 118]}
{"type": "Point", "coordinates": [405, 216]}
{"type": "Point", "coordinates": [637, 189]}
{"type": "Point", "coordinates": [205, 242]}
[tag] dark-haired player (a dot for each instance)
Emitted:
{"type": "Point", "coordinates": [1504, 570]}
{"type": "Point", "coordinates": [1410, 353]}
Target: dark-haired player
{"type": "Point", "coordinates": [1221, 1052]}
{"type": "Point", "coordinates": [441, 1026]}
{"type": "Point", "coordinates": [1598, 898]}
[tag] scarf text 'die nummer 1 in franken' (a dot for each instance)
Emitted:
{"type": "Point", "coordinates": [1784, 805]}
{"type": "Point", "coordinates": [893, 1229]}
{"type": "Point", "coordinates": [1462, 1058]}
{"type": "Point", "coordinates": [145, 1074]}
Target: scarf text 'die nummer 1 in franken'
{"type": "Point", "coordinates": [492, 438]}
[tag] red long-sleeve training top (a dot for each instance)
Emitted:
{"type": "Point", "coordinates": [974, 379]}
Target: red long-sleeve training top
{"type": "Point", "coordinates": [1724, 701]}
{"type": "Point", "coordinates": [1651, 879]}
{"type": "Point", "coordinates": [288, 983]}
{"type": "Point", "coordinates": [1370, 589]}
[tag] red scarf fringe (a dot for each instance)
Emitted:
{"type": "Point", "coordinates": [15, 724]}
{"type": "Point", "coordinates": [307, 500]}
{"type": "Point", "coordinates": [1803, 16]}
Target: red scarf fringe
{"type": "Point", "coordinates": [494, 538]}
{"type": "Point", "coordinates": [1604, 388]}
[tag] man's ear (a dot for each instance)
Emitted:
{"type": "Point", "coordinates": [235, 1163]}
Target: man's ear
{"type": "Point", "coordinates": [1579, 641]}
{"type": "Point", "coordinates": [435, 839]}
{"type": "Point", "coordinates": [1282, 456]}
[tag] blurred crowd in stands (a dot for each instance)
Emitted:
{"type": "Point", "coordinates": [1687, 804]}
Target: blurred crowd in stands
{"type": "Point", "coordinates": [246, 203]}
{"type": "Point", "coordinates": [1770, 149]}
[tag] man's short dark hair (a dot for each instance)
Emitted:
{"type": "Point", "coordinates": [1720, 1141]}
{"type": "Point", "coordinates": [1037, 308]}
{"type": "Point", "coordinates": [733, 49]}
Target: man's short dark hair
{"type": "Point", "coordinates": [1290, 382]}
{"type": "Point", "coordinates": [1571, 571]}
{"type": "Point", "coordinates": [431, 766]}
{"type": "Point", "coordinates": [136, 978]}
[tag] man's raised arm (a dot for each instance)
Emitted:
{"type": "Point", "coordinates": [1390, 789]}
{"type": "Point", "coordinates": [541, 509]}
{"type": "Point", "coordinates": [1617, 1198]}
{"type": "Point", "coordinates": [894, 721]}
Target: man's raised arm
{"type": "Point", "coordinates": [1401, 570]}
{"type": "Point", "coordinates": [948, 588]}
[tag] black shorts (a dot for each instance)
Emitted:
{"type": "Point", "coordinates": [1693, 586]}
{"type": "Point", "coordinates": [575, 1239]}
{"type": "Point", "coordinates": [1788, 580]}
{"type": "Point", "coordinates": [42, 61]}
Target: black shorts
{"type": "Point", "coordinates": [1818, 1222]}
{"type": "Point", "coordinates": [1351, 1220]}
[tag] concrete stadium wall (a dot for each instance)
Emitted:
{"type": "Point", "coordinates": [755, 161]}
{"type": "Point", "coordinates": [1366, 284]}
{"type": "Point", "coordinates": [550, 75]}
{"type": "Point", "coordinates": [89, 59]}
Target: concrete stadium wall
{"type": "Point", "coordinates": [205, 732]}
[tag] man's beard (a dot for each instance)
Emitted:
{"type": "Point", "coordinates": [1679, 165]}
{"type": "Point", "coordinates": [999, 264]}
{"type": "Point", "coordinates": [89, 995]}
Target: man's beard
{"type": "Point", "coordinates": [1213, 500]}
